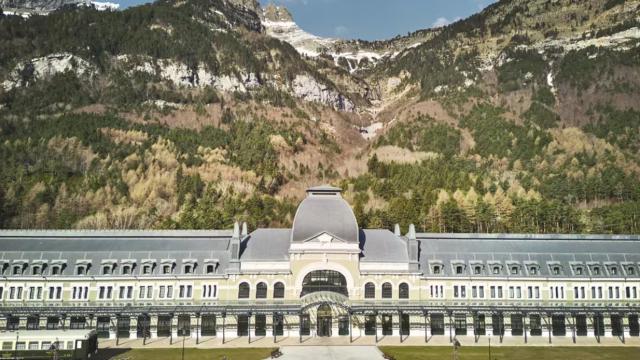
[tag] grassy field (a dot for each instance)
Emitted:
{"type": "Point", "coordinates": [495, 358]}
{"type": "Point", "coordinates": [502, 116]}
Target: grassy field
{"type": "Point", "coordinates": [515, 353]}
{"type": "Point", "coordinates": [189, 354]}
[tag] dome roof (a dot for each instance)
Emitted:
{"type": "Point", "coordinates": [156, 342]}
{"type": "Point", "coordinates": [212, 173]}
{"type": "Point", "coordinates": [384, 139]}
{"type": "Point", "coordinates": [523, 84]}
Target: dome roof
{"type": "Point", "coordinates": [324, 210]}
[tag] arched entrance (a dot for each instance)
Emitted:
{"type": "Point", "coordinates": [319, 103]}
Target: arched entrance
{"type": "Point", "coordinates": [324, 320]}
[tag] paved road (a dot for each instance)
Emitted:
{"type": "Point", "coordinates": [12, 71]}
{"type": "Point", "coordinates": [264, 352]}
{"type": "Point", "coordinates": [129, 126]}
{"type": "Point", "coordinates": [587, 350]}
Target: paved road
{"type": "Point", "coordinates": [330, 353]}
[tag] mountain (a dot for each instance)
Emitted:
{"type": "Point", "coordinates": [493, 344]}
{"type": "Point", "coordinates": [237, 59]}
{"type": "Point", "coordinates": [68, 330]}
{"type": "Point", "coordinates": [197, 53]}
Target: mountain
{"type": "Point", "coordinates": [191, 114]}
{"type": "Point", "coordinates": [27, 8]}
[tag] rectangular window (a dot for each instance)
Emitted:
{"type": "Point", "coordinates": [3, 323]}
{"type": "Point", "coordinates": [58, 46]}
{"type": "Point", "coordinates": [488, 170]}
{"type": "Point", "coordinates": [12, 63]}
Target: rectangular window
{"type": "Point", "coordinates": [499, 292]}
{"type": "Point", "coordinates": [169, 292]}
{"type": "Point", "coordinates": [511, 292]}
{"type": "Point", "coordinates": [529, 292]}
{"type": "Point", "coordinates": [474, 292]}
{"type": "Point", "coordinates": [519, 292]}
{"type": "Point", "coordinates": [481, 293]}
{"type": "Point", "coordinates": [493, 292]}
{"type": "Point", "coordinates": [162, 289]}
{"type": "Point", "coordinates": [455, 291]}
{"type": "Point", "coordinates": [142, 292]}
{"type": "Point", "coordinates": [463, 291]}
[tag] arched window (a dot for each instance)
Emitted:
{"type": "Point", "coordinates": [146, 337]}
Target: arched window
{"type": "Point", "coordinates": [324, 280]}
{"type": "Point", "coordinates": [261, 291]}
{"type": "Point", "coordinates": [17, 270]}
{"type": "Point", "coordinates": [126, 270]}
{"type": "Point", "coordinates": [106, 270]}
{"type": "Point", "coordinates": [477, 270]}
{"type": "Point", "coordinates": [514, 270]}
{"type": "Point", "coordinates": [243, 290]}
{"type": "Point", "coordinates": [80, 270]}
{"type": "Point", "coordinates": [36, 270]}
{"type": "Point", "coordinates": [278, 290]}
{"type": "Point", "coordinates": [146, 269]}
{"type": "Point", "coordinates": [55, 270]}
{"type": "Point", "coordinates": [369, 290]}
{"type": "Point", "coordinates": [387, 290]}
{"type": "Point", "coordinates": [403, 291]}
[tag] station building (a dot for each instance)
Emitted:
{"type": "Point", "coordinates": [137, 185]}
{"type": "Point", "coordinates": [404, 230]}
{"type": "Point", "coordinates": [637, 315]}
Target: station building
{"type": "Point", "coordinates": [324, 276]}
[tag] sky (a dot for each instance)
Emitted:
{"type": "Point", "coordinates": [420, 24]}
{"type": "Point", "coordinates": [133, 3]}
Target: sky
{"type": "Point", "coordinates": [370, 19]}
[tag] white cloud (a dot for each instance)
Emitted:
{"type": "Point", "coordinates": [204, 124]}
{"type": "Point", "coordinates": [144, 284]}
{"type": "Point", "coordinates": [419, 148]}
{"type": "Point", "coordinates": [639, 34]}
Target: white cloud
{"type": "Point", "coordinates": [341, 30]}
{"type": "Point", "coordinates": [440, 22]}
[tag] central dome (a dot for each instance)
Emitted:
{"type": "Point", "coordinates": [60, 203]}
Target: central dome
{"type": "Point", "coordinates": [324, 210]}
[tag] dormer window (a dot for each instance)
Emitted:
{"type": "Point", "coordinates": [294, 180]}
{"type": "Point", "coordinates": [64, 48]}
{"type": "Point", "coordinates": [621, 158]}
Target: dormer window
{"type": "Point", "coordinates": [436, 269]}
{"type": "Point", "coordinates": [166, 269]}
{"type": "Point", "coordinates": [55, 270]}
{"type": "Point", "coordinates": [631, 270]}
{"type": "Point", "coordinates": [459, 270]}
{"type": "Point", "coordinates": [188, 269]}
{"type": "Point", "coordinates": [146, 269]}
{"type": "Point", "coordinates": [81, 270]}
{"type": "Point", "coordinates": [17, 270]}
{"type": "Point", "coordinates": [496, 270]}
{"type": "Point", "coordinates": [210, 269]}
{"type": "Point", "coordinates": [556, 270]}
{"type": "Point", "coordinates": [477, 270]}
{"type": "Point", "coordinates": [579, 270]}
{"type": "Point", "coordinates": [36, 270]}
{"type": "Point", "coordinates": [613, 270]}
{"type": "Point", "coordinates": [533, 270]}
{"type": "Point", "coordinates": [126, 270]}
{"type": "Point", "coordinates": [514, 270]}
{"type": "Point", "coordinates": [596, 270]}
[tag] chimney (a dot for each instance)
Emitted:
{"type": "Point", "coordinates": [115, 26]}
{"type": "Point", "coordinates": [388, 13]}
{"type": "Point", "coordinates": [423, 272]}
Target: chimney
{"type": "Point", "coordinates": [396, 230]}
{"type": "Point", "coordinates": [412, 232]}
{"type": "Point", "coordinates": [236, 230]}
{"type": "Point", "coordinates": [413, 248]}
{"type": "Point", "coordinates": [244, 232]}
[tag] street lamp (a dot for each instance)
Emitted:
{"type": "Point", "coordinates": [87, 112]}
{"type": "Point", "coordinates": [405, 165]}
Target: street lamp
{"type": "Point", "coordinates": [184, 334]}
{"type": "Point", "coordinates": [456, 346]}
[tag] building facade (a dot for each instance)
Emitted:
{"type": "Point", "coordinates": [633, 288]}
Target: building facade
{"type": "Point", "coordinates": [323, 277]}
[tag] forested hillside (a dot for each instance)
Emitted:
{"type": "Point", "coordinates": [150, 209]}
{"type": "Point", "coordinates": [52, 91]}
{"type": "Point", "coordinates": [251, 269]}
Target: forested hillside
{"type": "Point", "coordinates": [188, 114]}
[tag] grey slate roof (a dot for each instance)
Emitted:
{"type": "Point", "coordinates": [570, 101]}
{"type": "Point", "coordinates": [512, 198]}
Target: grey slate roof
{"type": "Point", "coordinates": [382, 246]}
{"type": "Point", "coordinates": [102, 247]}
{"type": "Point", "coordinates": [266, 245]}
{"type": "Point", "coordinates": [523, 251]}
{"type": "Point", "coordinates": [324, 210]}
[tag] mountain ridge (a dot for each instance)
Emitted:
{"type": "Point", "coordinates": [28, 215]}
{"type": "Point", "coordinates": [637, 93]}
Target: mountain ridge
{"type": "Point", "coordinates": [191, 114]}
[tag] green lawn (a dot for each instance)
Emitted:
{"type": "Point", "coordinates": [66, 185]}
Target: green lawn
{"type": "Point", "coordinates": [189, 354]}
{"type": "Point", "coordinates": [515, 353]}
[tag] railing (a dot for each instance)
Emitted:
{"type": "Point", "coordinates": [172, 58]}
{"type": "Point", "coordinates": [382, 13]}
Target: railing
{"type": "Point", "coordinates": [309, 289]}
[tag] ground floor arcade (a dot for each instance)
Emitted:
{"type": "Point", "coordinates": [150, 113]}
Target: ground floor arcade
{"type": "Point", "coordinates": [332, 321]}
